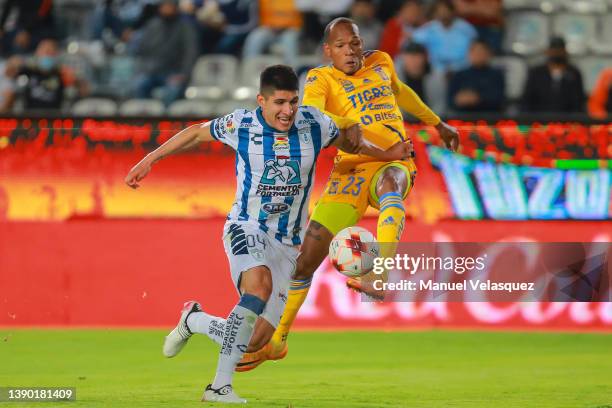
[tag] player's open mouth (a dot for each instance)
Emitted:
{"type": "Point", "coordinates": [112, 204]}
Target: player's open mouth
{"type": "Point", "coordinates": [284, 121]}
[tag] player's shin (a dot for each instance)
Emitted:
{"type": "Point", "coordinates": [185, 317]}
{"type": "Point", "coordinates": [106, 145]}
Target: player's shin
{"type": "Point", "coordinates": [298, 290]}
{"type": "Point", "coordinates": [238, 331]}
{"type": "Point", "coordinates": [390, 225]}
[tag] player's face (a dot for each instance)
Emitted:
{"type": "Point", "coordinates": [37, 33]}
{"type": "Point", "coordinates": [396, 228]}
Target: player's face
{"type": "Point", "coordinates": [279, 108]}
{"type": "Point", "coordinates": [345, 48]}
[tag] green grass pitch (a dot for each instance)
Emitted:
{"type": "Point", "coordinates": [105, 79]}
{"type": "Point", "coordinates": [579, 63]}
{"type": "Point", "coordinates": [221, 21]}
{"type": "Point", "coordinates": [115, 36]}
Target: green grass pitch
{"type": "Point", "coordinates": [125, 368]}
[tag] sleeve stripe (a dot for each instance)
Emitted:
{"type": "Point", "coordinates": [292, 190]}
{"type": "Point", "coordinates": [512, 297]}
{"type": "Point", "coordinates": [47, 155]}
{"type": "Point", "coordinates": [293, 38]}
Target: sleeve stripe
{"type": "Point", "coordinates": [213, 127]}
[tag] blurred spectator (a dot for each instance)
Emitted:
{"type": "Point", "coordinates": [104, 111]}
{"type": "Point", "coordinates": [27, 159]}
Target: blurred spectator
{"type": "Point", "coordinates": [8, 87]}
{"type": "Point", "coordinates": [279, 22]}
{"type": "Point", "coordinates": [487, 17]}
{"type": "Point", "coordinates": [479, 88]}
{"type": "Point", "coordinates": [600, 102]}
{"type": "Point", "coordinates": [398, 30]}
{"type": "Point", "coordinates": [316, 14]}
{"type": "Point", "coordinates": [114, 20]}
{"type": "Point", "coordinates": [168, 47]}
{"type": "Point", "coordinates": [240, 19]}
{"type": "Point", "coordinates": [34, 22]}
{"type": "Point", "coordinates": [364, 14]}
{"type": "Point", "coordinates": [555, 86]}
{"type": "Point", "coordinates": [208, 20]}
{"type": "Point", "coordinates": [414, 70]}
{"type": "Point", "coordinates": [447, 38]}
{"type": "Point", "coordinates": [46, 79]}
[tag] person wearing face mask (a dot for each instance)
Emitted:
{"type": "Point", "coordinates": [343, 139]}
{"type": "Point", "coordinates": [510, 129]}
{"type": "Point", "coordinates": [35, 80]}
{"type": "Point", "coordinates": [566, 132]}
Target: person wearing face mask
{"type": "Point", "coordinates": [46, 78]}
{"type": "Point", "coordinates": [555, 86]}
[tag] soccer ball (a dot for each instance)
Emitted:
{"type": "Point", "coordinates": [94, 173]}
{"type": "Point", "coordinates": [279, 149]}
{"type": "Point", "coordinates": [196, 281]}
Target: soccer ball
{"type": "Point", "coordinates": [352, 251]}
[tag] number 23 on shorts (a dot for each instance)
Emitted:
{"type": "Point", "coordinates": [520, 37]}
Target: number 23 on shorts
{"type": "Point", "coordinates": [349, 185]}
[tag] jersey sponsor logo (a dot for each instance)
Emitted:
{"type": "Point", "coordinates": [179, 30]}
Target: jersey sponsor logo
{"type": "Point", "coordinates": [379, 117]}
{"type": "Point", "coordinates": [347, 85]}
{"type": "Point", "coordinates": [377, 106]}
{"type": "Point", "coordinates": [381, 73]}
{"type": "Point", "coordinates": [369, 94]}
{"type": "Point", "coordinates": [275, 208]}
{"type": "Point", "coordinates": [281, 178]}
{"type": "Point", "coordinates": [311, 79]}
{"type": "Point", "coordinates": [306, 121]}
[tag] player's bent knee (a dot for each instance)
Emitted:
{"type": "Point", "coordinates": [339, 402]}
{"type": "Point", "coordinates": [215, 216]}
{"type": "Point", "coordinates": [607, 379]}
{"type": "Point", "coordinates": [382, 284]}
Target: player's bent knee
{"type": "Point", "coordinates": [257, 281]}
{"type": "Point", "coordinates": [392, 179]}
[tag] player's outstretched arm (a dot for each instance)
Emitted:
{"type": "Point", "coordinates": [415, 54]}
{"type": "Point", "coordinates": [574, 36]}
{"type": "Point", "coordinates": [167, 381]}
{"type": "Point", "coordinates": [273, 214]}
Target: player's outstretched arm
{"type": "Point", "coordinates": [351, 140]}
{"type": "Point", "coordinates": [184, 140]}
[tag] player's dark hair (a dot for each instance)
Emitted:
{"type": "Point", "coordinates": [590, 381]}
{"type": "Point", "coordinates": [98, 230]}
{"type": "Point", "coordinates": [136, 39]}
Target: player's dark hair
{"type": "Point", "coordinates": [331, 24]}
{"type": "Point", "coordinates": [278, 78]}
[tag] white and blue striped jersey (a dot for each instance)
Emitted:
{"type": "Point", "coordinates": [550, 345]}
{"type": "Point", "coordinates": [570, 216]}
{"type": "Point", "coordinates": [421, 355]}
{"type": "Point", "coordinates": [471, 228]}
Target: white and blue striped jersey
{"type": "Point", "coordinates": [274, 170]}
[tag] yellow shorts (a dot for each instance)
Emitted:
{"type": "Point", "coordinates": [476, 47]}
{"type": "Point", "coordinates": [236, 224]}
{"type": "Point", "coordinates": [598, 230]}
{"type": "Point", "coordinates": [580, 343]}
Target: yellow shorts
{"type": "Point", "coordinates": [351, 188]}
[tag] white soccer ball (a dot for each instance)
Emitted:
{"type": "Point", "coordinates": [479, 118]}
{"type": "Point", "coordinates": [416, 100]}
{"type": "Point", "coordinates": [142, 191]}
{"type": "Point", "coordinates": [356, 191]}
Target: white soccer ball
{"type": "Point", "coordinates": [352, 251]}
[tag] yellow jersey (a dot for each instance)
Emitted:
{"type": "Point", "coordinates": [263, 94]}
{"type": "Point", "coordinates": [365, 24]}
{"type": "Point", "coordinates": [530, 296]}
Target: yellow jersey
{"type": "Point", "coordinates": [372, 97]}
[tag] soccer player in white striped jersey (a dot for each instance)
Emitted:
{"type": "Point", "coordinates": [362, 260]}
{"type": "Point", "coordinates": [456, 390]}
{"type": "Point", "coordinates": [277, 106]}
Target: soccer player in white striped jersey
{"type": "Point", "coordinates": [277, 146]}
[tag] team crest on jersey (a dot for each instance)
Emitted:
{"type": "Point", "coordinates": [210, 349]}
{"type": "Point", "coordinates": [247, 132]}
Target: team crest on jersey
{"type": "Point", "coordinates": [347, 85]}
{"type": "Point", "coordinates": [304, 135]}
{"type": "Point", "coordinates": [228, 122]}
{"type": "Point", "coordinates": [381, 73]}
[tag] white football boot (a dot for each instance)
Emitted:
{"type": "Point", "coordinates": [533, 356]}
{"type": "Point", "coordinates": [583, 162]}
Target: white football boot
{"type": "Point", "coordinates": [177, 338]}
{"type": "Point", "coordinates": [224, 394]}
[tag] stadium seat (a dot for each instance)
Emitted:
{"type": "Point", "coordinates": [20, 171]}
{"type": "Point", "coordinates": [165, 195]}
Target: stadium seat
{"type": "Point", "coordinates": [602, 43]}
{"type": "Point", "coordinates": [212, 77]}
{"type": "Point", "coordinates": [591, 67]}
{"type": "Point", "coordinates": [527, 33]}
{"type": "Point", "coordinates": [94, 107]}
{"type": "Point", "coordinates": [586, 6]}
{"type": "Point", "coordinates": [515, 73]}
{"type": "Point", "coordinates": [577, 29]}
{"type": "Point", "coordinates": [142, 107]}
{"type": "Point", "coordinates": [551, 6]}
{"type": "Point", "coordinates": [251, 68]}
{"type": "Point", "coordinates": [193, 107]}
{"type": "Point", "coordinates": [119, 77]}
{"type": "Point", "coordinates": [519, 4]}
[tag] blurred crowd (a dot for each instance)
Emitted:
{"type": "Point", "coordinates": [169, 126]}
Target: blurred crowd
{"type": "Point", "coordinates": [446, 50]}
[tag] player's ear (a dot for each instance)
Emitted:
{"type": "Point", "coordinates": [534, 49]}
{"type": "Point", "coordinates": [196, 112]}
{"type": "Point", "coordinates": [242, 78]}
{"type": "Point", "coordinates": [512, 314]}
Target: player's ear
{"type": "Point", "coordinates": [261, 100]}
{"type": "Point", "coordinates": [327, 50]}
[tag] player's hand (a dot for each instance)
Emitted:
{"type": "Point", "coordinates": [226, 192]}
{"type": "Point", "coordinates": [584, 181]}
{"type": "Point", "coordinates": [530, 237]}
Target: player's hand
{"type": "Point", "coordinates": [449, 134]}
{"type": "Point", "coordinates": [400, 151]}
{"type": "Point", "coordinates": [353, 138]}
{"type": "Point", "coordinates": [137, 173]}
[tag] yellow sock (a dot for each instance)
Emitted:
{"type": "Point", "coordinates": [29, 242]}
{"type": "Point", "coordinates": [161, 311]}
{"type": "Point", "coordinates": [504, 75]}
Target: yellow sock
{"type": "Point", "coordinates": [297, 294]}
{"type": "Point", "coordinates": [390, 223]}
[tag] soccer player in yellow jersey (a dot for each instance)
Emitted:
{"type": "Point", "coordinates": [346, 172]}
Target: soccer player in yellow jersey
{"type": "Point", "coordinates": [358, 87]}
